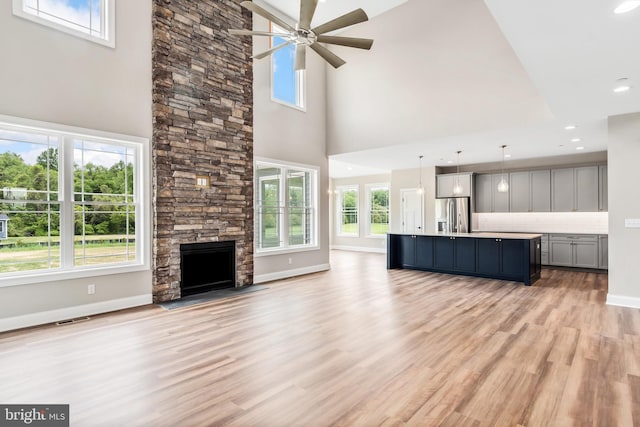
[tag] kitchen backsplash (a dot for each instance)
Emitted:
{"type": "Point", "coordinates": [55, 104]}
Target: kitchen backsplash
{"type": "Point", "coordinates": [543, 222]}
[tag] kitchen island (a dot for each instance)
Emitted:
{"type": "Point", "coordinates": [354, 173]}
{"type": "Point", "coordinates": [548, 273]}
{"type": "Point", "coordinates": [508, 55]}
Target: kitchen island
{"type": "Point", "coordinates": [506, 256]}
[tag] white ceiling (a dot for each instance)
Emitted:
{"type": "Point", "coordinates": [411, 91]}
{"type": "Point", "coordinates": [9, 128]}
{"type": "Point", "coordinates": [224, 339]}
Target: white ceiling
{"type": "Point", "coordinates": [571, 50]}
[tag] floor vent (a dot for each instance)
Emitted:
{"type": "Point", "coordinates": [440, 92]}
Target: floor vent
{"type": "Point", "coordinates": [72, 321]}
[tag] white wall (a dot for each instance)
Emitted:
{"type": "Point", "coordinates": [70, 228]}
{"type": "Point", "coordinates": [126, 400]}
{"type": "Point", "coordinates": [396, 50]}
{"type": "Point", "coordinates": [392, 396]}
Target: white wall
{"type": "Point", "coordinates": [362, 242]}
{"type": "Point", "coordinates": [50, 76]}
{"type": "Point", "coordinates": [287, 134]}
{"type": "Point", "coordinates": [624, 202]}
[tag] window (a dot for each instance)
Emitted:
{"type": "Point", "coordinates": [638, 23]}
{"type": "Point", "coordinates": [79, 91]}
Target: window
{"type": "Point", "coordinates": [89, 19]}
{"type": "Point", "coordinates": [348, 211]}
{"type": "Point", "coordinates": [378, 206]}
{"type": "Point", "coordinates": [286, 200]}
{"type": "Point", "coordinates": [287, 84]}
{"type": "Point", "coordinates": [73, 201]}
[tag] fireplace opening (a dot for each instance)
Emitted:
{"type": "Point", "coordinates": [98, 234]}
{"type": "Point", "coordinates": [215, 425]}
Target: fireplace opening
{"type": "Point", "coordinates": [207, 266]}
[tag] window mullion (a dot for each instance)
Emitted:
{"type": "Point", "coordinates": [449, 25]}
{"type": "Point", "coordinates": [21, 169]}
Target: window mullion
{"type": "Point", "coordinates": [67, 231]}
{"type": "Point", "coordinates": [284, 206]}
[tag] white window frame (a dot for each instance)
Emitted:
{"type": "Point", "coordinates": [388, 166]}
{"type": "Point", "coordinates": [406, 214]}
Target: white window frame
{"type": "Point", "coordinates": [301, 84]}
{"type": "Point", "coordinates": [369, 188]}
{"type": "Point", "coordinates": [142, 169]}
{"type": "Point", "coordinates": [339, 191]}
{"type": "Point", "coordinates": [107, 16]}
{"type": "Point", "coordinates": [285, 247]}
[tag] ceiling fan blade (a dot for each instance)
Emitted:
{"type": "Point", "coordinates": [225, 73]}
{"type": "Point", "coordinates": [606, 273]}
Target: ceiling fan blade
{"type": "Point", "coordinates": [301, 57]}
{"type": "Point", "coordinates": [254, 33]}
{"type": "Point", "coordinates": [328, 56]}
{"type": "Point", "coordinates": [307, 9]}
{"type": "Point", "coordinates": [270, 51]}
{"type": "Point", "coordinates": [347, 41]}
{"type": "Point", "coordinates": [347, 20]}
{"type": "Point", "coordinates": [267, 15]}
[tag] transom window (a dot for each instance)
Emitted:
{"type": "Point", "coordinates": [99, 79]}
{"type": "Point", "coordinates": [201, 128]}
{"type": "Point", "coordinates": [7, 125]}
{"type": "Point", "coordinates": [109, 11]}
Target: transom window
{"type": "Point", "coordinates": [286, 200]}
{"type": "Point", "coordinates": [89, 19]}
{"type": "Point", "coordinates": [348, 216]}
{"type": "Point", "coordinates": [378, 207]}
{"type": "Point", "coordinates": [287, 84]}
{"type": "Point", "coordinates": [72, 202]}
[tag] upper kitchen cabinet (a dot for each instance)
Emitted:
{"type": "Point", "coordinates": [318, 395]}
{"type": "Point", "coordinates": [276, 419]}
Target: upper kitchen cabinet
{"type": "Point", "coordinates": [487, 197]}
{"type": "Point", "coordinates": [530, 191]}
{"type": "Point", "coordinates": [446, 183]}
{"type": "Point", "coordinates": [603, 189]}
{"type": "Point", "coordinates": [575, 189]}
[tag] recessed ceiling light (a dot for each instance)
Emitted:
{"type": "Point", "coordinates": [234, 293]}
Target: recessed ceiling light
{"type": "Point", "coordinates": [449, 161]}
{"type": "Point", "coordinates": [579, 148]}
{"type": "Point", "coordinates": [570, 127]}
{"type": "Point", "coordinates": [622, 85]}
{"type": "Point", "coordinates": [349, 168]}
{"type": "Point", "coordinates": [508, 156]}
{"type": "Point", "coordinates": [576, 140]}
{"type": "Point", "coordinates": [626, 6]}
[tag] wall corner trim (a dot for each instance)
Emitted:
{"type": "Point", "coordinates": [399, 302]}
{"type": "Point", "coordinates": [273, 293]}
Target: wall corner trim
{"type": "Point", "coordinates": [263, 278]}
{"type": "Point", "coordinates": [44, 317]}
{"type": "Point", "coordinates": [623, 301]}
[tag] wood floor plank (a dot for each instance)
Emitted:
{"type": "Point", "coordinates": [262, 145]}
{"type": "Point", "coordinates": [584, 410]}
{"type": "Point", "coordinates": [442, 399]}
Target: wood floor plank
{"type": "Point", "coordinates": [358, 345]}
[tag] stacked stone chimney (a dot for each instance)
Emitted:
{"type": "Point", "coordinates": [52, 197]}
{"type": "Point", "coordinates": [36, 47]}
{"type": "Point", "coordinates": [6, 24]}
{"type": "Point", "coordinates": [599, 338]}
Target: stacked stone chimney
{"type": "Point", "coordinates": [202, 133]}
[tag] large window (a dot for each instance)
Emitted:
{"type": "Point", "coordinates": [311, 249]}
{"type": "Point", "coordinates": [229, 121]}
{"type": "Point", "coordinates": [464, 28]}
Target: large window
{"type": "Point", "coordinates": [287, 84]}
{"type": "Point", "coordinates": [348, 218]}
{"type": "Point", "coordinates": [90, 19]}
{"type": "Point", "coordinates": [378, 207]}
{"type": "Point", "coordinates": [73, 201]}
{"type": "Point", "coordinates": [286, 199]}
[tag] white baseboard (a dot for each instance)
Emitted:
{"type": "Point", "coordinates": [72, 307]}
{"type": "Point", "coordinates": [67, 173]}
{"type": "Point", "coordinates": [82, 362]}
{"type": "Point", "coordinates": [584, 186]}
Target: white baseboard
{"type": "Point", "coordinates": [262, 278]}
{"type": "Point", "coordinates": [623, 301]}
{"type": "Point", "coordinates": [360, 249]}
{"type": "Point", "coordinates": [51, 316]}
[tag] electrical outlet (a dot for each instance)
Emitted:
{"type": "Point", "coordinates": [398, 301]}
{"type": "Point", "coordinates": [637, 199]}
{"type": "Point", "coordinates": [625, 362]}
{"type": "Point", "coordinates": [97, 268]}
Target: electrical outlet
{"type": "Point", "coordinates": [290, 261]}
{"type": "Point", "coordinates": [91, 289]}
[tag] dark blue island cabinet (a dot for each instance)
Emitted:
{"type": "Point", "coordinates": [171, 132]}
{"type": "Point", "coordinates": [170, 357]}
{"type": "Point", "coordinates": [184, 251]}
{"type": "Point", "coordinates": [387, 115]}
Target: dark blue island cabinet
{"type": "Point", "coordinates": [515, 257]}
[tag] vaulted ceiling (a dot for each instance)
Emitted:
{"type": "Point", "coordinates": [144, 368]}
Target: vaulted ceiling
{"type": "Point", "coordinates": [472, 75]}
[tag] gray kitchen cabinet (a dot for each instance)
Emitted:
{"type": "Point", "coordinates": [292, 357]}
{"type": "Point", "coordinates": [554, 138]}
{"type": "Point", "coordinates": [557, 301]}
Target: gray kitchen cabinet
{"type": "Point", "coordinates": [446, 182]}
{"type": "Point", "coordinates": [544, 249]}
{"type": "Point", "coordinates": [520, 191]}
{"type": "Point", "coordinates": [603, 251]}
{"type": "Point", "coordinates": [530, 191]}
{"type": "Point", "coordinates": [574, 189]}
{"type": "Point", "coordinates": [487, 196]}
{"type": "Point", "coordinates": [603, 189]}
{"type": "Point", "coordinates": [541, 191]}
{"type": "Point", "coordinates": [561, 252]}
{"type": "Point", "coordinates": [573, 250]}
{"type": "Point", "coordinates": [483, 194]}
{"type": "Point", "coordinates": [562, 187]}
{"type": "Point", "coordinates": [586, 189]}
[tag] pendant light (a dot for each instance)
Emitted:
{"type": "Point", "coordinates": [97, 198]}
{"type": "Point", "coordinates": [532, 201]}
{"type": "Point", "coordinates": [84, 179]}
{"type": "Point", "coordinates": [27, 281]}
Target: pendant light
{"type": "Point", "coordinates": [420, 188]}
{"type": "Point", "coordinates": [503, 185]}
{"type": "Point", "coordinates": [457, 188]}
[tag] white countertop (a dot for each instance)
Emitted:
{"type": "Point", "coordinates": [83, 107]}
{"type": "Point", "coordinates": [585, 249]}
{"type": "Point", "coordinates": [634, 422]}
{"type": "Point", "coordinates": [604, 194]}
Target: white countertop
{"type": "Point", "coordinates": [481, 234]}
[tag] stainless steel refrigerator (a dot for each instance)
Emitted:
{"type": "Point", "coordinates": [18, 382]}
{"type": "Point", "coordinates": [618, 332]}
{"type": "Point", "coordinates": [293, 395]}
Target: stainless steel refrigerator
{"type": "Point", "coordinates": [453, 215]}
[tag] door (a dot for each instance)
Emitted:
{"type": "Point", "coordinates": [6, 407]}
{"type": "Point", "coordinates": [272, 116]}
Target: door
{"type": "Point", "coordinates": [541, 191]}
{"type": "Point", "coordinates": [424, 251]}
{"type": "Point", "coordinates": [513, 259]}
{"type": "Point", "coordinates": [562, 190]}
{"type": "Point", "coordinates": [412, 210]}
{"type": "Point", "coordinates": [464, 254]}
{"type": "Point", "coordinates": [561, 252]}
{"type": "Point", "coordinates": [443, 252]}
{"type": "Point", "coordinates": [407, 251]}
{"type": "Point", "coordinates": [483, 193]}
{"type": "Point", "coordinates": [586, 189]}
{"type": "Point", "coordinates": [585, 254]}
{"type": "Point", "coordinates": [488, 256]}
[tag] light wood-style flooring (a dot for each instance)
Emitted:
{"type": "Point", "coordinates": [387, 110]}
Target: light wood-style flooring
{"type": "Point", "coordinates": [355, 346]}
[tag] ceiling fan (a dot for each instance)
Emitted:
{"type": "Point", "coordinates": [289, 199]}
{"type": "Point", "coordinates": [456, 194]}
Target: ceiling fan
{"type": "Point", "coordinates": [302, 35]}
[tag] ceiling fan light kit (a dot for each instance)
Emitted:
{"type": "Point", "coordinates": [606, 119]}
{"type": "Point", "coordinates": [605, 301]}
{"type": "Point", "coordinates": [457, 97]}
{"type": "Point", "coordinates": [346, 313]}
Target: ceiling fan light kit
{"type": "Point", "coordinates": [303, 36]}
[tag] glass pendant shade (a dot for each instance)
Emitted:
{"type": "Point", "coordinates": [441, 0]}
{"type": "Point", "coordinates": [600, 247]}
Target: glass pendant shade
{"type": "Point", "coordinates": [503, 185]}
{"type": "Point", "coordinates": [457, 188]}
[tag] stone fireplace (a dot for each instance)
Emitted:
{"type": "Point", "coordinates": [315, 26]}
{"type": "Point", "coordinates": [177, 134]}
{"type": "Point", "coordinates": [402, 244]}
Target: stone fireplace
{"type": "Point", "coordinates": [202, 136]}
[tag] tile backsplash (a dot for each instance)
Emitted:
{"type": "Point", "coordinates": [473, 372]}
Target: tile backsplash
{"type": "Point", "coordinates": [543, 222]}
